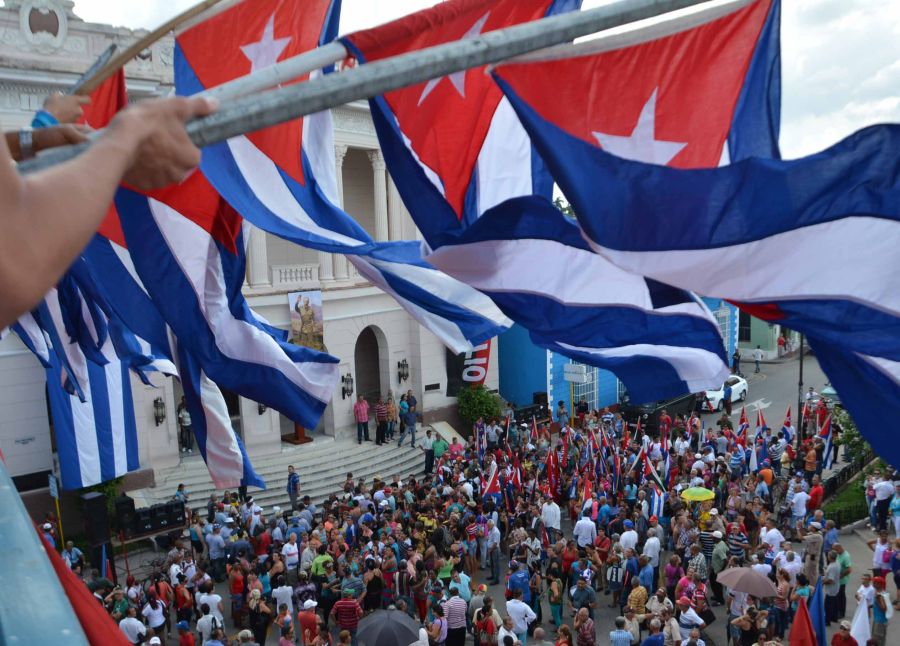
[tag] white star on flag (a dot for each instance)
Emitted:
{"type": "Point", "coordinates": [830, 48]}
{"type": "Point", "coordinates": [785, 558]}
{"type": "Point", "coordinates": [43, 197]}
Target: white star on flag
{"type": "Point", "coordinates": [267, 50]}
{"type": "Point", "coordinates": [641, 145]}
{"type": "Point", "coordinates": [458, 79]}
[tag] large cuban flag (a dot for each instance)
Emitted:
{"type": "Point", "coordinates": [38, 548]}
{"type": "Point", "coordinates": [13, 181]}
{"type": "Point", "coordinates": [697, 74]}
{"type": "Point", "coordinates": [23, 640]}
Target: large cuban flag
{"type": "Point", "coordinates": [282, 179]}
{"type": "Point", "coordinates": [115, 279]}
{"type": "Point", "coordinates": [765, 233]}
{"type": "Point", "coordinates": [459, 153]}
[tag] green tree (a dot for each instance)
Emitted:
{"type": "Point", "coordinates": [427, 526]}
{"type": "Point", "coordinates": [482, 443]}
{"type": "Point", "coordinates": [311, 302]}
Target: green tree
{"type": "Point", "coordinates": [476, 402]}
{"type": "Point", "coordinates": [857, 447]}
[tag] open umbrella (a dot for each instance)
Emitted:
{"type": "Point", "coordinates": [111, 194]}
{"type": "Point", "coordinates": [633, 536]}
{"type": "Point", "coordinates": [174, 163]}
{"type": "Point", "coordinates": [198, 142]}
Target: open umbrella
{"type": "Point", "coordinates": [744, 579]}
{"type": "Point", "coordinates": [697, 494]}
{"type": "Point", "coordinates": [387, 628]}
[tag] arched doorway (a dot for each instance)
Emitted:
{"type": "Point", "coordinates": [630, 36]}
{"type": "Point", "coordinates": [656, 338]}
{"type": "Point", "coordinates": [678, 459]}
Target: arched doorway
{"type": "Point", "coordinates": [370, 358]}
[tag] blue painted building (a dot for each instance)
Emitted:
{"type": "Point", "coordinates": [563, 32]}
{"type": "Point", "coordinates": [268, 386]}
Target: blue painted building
{"type": "Point", "coordinates": [526, 369]}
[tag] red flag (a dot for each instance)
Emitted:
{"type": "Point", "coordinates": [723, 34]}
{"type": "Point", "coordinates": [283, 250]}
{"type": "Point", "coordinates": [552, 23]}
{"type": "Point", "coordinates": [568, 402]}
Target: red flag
{"type": "Point", "coordinates": [534, 430]}
{"type": "Point", "coordinates": [802, 631]}
{"type": "Point", "coordinates": [109, 97]}
{"type": "Point", "coordinates": [787, 418]}
{"type": "Point", "coordinates": [588, 488]}
{"type": "Point", "coordinates": [825, 429]}
{"type": "Point", "coordinates": [553, 473]}
{"type": "Point", "coordinates": [565, 449]}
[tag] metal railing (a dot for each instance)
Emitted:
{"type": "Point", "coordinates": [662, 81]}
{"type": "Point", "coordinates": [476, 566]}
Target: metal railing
{"type": "Point", "coordinates": [44, 615]}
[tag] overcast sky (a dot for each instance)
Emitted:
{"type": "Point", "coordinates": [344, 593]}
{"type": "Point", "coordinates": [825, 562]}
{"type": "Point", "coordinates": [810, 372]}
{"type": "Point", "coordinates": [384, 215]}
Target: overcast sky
{"type": "Point", "coordinates": [840, 58]}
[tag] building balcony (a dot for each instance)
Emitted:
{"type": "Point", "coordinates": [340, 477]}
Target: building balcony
{"type": "Point", "coordinates": [295, 277]}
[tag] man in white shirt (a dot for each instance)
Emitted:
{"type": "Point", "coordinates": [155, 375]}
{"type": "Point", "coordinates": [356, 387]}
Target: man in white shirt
{"type": "Point", "coordinates": [550, 518]}
{"type": "Point", "coordinates": [132, 627]}
{"type": "Point", "coordinates": [681, 445]}
{"type": "Point", "coordinates": [213, 600]}
{"type": "Point", "coordinates": [283, 594]}
{"type": "Point", "coordinates": [291, 552]}
{"type": "Point", "coordinates": [798, 507]}
{"type": "Point", "coordinates": [506, 630]}
{"type": "Point", "coordinates": [521, 614]}
{"type": "Point", "coordinates": [652, 549]}
{"type": "Point", "coordinates": [866, 591]}
{"type": "Point", "coordinates": [884, 491]}
{"type": "Point", "coordinates": [629, 538]}
{"type": "Point", "coordinates": [771, 536]}
{"type": "Point", "coordinates": [585, 531]}
{"type": "Point", "coordinates": [688, 619]}
{"type": "Point", "coordinates": [789, 561]}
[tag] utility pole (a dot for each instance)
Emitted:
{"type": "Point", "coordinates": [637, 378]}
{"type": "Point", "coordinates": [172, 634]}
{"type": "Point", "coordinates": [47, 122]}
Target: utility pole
{"type": "Point", "coordinates": [801, 427]}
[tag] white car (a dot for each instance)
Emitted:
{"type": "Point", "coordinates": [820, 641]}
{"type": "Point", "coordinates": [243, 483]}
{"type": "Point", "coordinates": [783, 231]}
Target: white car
{"type": "Point", "coordinates": [738, 392]}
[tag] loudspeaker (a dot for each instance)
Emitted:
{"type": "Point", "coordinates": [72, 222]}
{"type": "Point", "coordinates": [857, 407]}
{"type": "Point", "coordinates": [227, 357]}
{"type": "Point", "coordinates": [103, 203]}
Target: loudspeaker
{"type": "Point", "coordinates": [161, 520]}
{"type": "Point", "coordinates": [96, 518]}
{"type": "Point", "coordinates": [539, 398]}
{"type": "Point", "coordinates": [143, 521]}
{"type": "Point", "coordinates": [125, 517]}
{"type": "Point", "coordinates": [175, 513]}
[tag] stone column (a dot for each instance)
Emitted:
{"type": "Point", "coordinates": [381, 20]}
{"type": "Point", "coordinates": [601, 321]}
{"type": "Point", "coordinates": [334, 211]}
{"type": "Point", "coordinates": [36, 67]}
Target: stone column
{"type": "Point", "coordinates": [259, 258]}
{"type": "Point", "coordinates": [395, 211]}
{"type": "Point", "coordinates": [339, 260]}
{"type": "Point", "coordinates": [381, 205]}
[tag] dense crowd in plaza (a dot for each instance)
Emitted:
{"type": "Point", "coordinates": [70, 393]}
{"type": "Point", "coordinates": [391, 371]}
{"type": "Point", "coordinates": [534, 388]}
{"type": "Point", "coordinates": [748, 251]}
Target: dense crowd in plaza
{"type": "Point", "coordinates": [600, 514]}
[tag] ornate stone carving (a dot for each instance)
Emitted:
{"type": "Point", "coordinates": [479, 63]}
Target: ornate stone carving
{"type": "Point", "coordinates": [43, 24]}
{"type": "Point", "coordinates": [350, 120]}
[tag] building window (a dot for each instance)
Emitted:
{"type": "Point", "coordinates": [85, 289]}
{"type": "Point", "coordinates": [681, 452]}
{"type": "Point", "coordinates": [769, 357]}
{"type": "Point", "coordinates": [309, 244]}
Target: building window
{"type": "Point", "coordinates": [743, 327]}
{"type": "Point", "coordinates": [588, 390]}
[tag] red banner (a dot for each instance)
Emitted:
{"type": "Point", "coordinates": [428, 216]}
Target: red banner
{"type": "Point", "coordinates": [475, 364]}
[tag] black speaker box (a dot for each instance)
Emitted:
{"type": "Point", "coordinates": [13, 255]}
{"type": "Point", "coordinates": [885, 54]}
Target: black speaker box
{"type": "Point", "coordinates": [125, 516]}
{"type": "Point", "coordinates": [144, 521]}
{"type": "Point", "coordinates": [96, 518]}
{"type": "Point", "coordinates": [175, 512]}
{"type": "Point", "coordinates": [161, 520]}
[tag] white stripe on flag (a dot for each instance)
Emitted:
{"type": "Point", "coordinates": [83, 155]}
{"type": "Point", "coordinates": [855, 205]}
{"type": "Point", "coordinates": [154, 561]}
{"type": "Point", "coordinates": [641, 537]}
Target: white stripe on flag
{"type": "Point", "coordinates": [699, 369]}
{"type": "Point", "coordinates": [199, 259]}
{"type": "Point", "coordinates": [504, 164]}
{"type": "Point", "coordinates": [116, 382]}
{"type": "Point", "coordinates": [266, 182]}
{"type": "Point", "coordinates": [223, 456]}
{"type": "Point", "coordinates": [757, 273]}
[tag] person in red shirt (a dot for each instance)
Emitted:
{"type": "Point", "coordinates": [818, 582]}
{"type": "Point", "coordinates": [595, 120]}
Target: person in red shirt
{"type": "Point", "coordinates": [347, 612]}
{"type": "Point", "coordinates": [185, 637]}
{"type": "Point", "coordinates": [262, 543]}
{"type": "Point", "coordinates": [816, 493]}
{"type": "Point", "coordinates": [308, 622]}
{"type": "Point", "coordinates": [843, 637]}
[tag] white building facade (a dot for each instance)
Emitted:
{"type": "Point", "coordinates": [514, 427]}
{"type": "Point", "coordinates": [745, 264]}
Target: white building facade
{"type": "Point", "coordinates": [44, 47]}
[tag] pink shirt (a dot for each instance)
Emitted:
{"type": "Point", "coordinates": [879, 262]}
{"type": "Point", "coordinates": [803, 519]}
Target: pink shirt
{"type": "Point", "coordinates": [361, 411]}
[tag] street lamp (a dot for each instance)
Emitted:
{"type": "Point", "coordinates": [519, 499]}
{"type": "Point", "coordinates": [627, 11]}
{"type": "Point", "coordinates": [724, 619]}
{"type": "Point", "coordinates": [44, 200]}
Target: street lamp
{"type": "Point", "coordinates": [346, 386]}
{"type": "Point", "coordinates": [402, 370]}
{"type": "Point", "coordinates": [159, 410]}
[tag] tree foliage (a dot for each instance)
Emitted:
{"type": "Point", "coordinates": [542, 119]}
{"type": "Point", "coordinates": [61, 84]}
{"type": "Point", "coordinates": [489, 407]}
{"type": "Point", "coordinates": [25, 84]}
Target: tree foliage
{"type": "Point", "coordinates": [476, 402]}
{"type": "Point", "coordinates": [856, 445]}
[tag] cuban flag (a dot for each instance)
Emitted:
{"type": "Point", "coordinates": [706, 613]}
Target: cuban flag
{"type": "Point", "coordinates": [94, 424]}
{"type": "Point", "coordinates": [657, 502]}
{"type": "Point", "coordinates": [456, 192]}
{"type": "Point", "coordinates": [743, 427]}
{"type": "Point", "coordinates": [825, 432]}
{"type": "Point", "coordinates": [667, 471]}
{"type": "Point", "coordinates": [114, 275]}
{"type": "Point", "coordinates": [811, 206]}
{"type": "Point", "coordinates": [283, 180]}
{"type": "Point", "coordinates": [588, 489]}
{"type": "Point", "coordinates": [491, 484]}
{"type": "Point", "coordinates": [786, 427]}
{"type": "Point", "coordinates": [761, 425]}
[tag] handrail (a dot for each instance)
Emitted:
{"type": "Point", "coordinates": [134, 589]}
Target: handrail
{"type": "Point", "coordinates": [44, 615]}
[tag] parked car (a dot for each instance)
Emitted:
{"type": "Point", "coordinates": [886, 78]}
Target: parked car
{"type": "Point", "coordinates": [831, 395]}
{"type": "Point", "coordinates": [649, 412]}
{"type": "Point", "coordinates": [716, 397]}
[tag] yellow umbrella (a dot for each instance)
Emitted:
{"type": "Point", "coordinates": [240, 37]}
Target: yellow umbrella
{"type": "Point", "coordinates": [697, 494]}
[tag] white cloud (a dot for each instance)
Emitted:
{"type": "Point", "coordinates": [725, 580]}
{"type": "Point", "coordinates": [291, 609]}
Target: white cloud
{"type": "Point", "coordinates": [840, 58]}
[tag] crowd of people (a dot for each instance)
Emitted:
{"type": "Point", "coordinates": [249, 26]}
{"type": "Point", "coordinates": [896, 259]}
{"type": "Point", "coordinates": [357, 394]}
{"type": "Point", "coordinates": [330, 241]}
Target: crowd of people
{"type": "Point", "coordinates": [598, 514]}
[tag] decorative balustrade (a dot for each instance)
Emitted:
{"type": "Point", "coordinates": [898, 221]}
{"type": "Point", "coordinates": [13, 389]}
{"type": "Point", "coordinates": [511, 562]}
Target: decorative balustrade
{"type": "Point", "coordinates": [296, 276]}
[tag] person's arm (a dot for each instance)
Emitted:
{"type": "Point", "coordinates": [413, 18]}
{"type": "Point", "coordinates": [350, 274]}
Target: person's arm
{"type": "Point", "coordinates": [50, 216]}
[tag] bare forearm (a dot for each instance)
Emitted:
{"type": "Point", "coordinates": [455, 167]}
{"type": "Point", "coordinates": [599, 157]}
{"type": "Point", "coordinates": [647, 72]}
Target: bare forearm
{"type": "Point", "coordinates": [51, 217]}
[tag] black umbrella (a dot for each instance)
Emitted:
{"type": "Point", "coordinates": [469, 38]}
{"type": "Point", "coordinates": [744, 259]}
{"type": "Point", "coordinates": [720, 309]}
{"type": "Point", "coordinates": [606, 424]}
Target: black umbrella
{"type": "Point", "coordinates": [388, 628]}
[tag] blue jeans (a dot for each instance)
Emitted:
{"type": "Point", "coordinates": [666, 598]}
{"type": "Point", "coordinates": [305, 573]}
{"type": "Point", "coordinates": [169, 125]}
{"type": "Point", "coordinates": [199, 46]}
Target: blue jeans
{"type": "Point", "coordinates": [556, 611]}
{"type": "Point", "coordinates": [362, 431]}
{"type": "Point", "coordinates": [411, 430]}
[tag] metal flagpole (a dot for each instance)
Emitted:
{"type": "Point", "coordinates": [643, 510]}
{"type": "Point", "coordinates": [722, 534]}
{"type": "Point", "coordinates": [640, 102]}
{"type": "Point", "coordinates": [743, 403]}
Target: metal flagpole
{"type": "Point", "coordinates": [259, 111]}
{"type": "Point", "coordinates": [801, 427]}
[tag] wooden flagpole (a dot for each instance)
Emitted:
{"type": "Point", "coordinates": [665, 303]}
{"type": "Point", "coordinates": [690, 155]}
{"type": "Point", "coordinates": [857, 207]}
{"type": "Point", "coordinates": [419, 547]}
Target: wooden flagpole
{"type": "Point", "coordinates": [123, 57]}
